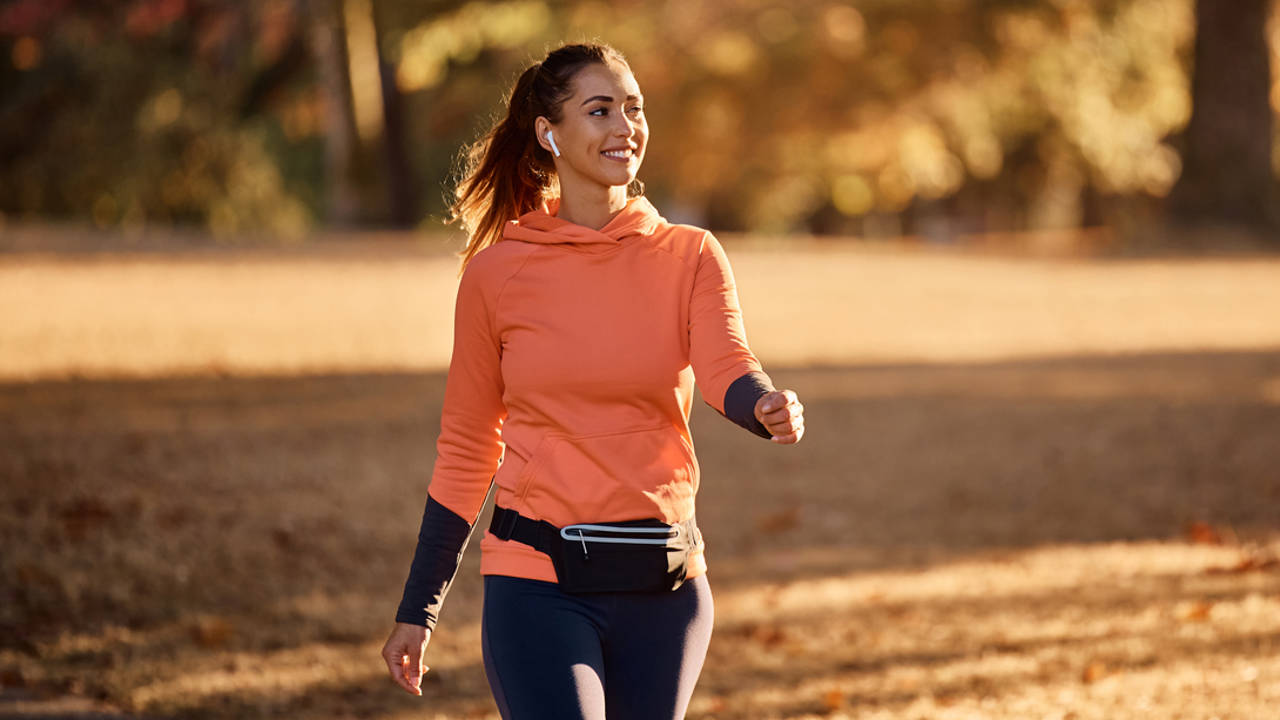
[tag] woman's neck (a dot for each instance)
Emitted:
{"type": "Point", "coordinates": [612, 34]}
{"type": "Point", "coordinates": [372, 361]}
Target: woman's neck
{"type": "Point", "coordinates": [592, 206]}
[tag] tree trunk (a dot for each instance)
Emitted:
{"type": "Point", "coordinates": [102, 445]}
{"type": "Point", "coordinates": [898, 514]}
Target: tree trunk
{"type": "Point", "coordinates": [401, 190]}
{"type": "Point", "coordinates": [1226, 174]}
{"type": "Point", "coordinates": [340, 139]}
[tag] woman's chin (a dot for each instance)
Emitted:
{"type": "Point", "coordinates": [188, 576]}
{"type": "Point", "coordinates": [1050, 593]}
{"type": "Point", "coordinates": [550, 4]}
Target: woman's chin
{"type": "Point", "coordinates": [626, 182]}
{"type": "Point", "coordinates": [620, 176]}
{"type": "Point", "coordinates": [611, 179]}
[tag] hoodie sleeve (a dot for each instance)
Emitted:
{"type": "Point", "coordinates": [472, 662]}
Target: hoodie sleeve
{"type": "Point", "coordinates": [729, 375]}
{"type": "Point", "coordinates": [467, 452]}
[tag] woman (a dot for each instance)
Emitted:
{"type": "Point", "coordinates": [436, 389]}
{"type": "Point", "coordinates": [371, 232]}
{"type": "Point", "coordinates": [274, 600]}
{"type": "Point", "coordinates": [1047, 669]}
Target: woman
{"type": "Point", "coordinates": [582, 320]}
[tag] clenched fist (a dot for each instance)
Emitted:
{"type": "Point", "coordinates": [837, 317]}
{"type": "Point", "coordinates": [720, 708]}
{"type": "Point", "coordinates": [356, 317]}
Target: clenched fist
{"type": "Point", "coordinates": [782, 415]}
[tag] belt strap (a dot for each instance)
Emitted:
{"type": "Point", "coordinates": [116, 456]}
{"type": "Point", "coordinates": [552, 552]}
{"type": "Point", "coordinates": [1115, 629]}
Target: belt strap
{"type": "Point", "coordinates": [540, 534]}
{"type": "Point", "coordinates": [511, 525]}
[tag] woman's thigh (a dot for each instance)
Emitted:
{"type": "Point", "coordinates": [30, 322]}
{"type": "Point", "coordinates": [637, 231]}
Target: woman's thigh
{"type": "Point", "coordinates": [654, 650]}
{"type": "Point", "coordinates": [557, 656]}
{"type": "Point", "coordinates": [542, 651]}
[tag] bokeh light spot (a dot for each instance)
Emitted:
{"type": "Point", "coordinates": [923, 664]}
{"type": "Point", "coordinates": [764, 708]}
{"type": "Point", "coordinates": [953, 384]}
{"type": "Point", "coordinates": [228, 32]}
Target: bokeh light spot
{"type": "Point", "coordinates": [26, 53]}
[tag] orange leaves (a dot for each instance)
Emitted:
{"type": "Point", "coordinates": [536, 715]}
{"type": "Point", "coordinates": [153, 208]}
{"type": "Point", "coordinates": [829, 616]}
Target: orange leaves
{"type": "Point", "coordinates": [212, 632]}
{"type": "Point", "coordinates": [1093, 672]}
{"type": "Point", "coordinates": [1197, 611]}
{"type": "Point", "coordinates": [1255, 561]}
{"type": "Point", "coordinates": [1202, 533]}
{"type": "Point", "coordinates": [768, 636]}
{"type": "Point", "coordinates": [779, 521]}
{"type": "Point", "coordinates": [1252, 559]}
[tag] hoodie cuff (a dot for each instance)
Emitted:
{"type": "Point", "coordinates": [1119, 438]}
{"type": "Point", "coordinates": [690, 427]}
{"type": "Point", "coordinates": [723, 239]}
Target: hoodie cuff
{"type": "Point", "coordinates": [740, 401]}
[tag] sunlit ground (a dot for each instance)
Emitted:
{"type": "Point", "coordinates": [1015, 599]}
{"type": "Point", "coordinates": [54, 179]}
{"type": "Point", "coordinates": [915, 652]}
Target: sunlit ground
{"type": "Point", "coordinates": [1029, 488]}
{"type": "Point", "coordinates": [390, 308]}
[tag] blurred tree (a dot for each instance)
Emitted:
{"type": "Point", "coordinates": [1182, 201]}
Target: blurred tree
{"type": "Point", "coordinates": [1227, 162]}
{"type": "Point", "coordinates": [130, 114]}
{"type": "Point", "coordinates": [341, 143]}
{"type": "Point", "coordinates": [865, 117]}
{"type": "Point", "coordinates": [401, 187]}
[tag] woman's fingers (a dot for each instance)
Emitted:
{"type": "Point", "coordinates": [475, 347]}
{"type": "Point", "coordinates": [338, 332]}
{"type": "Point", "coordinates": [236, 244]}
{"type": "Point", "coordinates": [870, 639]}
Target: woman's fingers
{"type": "Point", "coordinates": [414, 669]}
{"type": "Point", "coordinates": [776, 406]}
{"type": "Point", "coordinates": [788, 433]}
{"type": "Point", "coordinates": [782, 414]}
{"type": "Point", "coordinates": [395, 657]}
{"type": "Point", "coordinates": [789, 413]}
{"type": "Point", "coordinates": [403, 655]}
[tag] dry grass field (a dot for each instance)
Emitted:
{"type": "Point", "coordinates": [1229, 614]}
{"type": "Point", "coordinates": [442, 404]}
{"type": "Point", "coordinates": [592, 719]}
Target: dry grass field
{"type": "Point", "coordinates": [1029, 489]}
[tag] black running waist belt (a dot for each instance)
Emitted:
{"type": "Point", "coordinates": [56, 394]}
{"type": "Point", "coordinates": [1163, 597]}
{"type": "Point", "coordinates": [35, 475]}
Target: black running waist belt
{"type": "Point", "coordinates": [638, 555]}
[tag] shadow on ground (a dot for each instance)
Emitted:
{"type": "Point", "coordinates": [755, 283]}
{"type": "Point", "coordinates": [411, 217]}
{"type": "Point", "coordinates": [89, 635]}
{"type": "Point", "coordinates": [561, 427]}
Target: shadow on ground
{"type": "Point", "coordinates": [156, 528]}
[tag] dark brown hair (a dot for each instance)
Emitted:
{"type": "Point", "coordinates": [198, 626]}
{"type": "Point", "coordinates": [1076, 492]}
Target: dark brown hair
{"type": "Point", "coordinates": [506, 173]}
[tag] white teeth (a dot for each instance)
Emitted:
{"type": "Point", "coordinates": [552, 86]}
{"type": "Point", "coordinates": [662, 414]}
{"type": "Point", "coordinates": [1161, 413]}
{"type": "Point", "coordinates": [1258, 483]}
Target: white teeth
{"type": "Point", "coordinates": [617, 153]}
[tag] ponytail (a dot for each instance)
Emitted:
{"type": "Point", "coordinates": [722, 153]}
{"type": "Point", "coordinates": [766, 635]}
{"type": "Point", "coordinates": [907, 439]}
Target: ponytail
{"type": "Point", "coordinates": [506, 173]}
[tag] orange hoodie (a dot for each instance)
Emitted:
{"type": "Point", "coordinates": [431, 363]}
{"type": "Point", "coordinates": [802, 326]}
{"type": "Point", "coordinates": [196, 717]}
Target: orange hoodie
{"type": "Point", "coordinates": [571, 382]}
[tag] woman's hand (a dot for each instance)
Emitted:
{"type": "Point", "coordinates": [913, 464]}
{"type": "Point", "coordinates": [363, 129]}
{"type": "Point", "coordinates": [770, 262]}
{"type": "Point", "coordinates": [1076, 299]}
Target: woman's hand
{"type": "Point", "coordinates": [782, 415]}
{"type": "Point", "coordinates": [403, 653]}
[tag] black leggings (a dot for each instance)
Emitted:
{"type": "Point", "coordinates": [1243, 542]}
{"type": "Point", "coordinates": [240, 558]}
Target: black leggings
{"type": "Point", "coordinates": [627, 656]}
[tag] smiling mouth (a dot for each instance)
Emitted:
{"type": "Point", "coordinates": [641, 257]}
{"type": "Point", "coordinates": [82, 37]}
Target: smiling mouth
{"type": "Point", "coordinates": [618, 154]}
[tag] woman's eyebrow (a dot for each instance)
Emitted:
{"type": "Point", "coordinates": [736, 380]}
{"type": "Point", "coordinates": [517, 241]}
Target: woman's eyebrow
{"type": "Point", "coordinates": [607, 98]}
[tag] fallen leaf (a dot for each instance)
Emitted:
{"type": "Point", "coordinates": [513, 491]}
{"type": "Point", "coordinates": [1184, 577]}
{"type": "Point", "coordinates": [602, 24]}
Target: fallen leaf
{"type": "Point", "coordinates": [780, 521]}
{"type": "Point", "coordinates": [1196, 612]}
{"type": "Point", "coordinates": [82, 516]}
{"type": "Point", "coordinates": [12, 677]}
{"type": "Point", "coordinates": [906, 683]}
{"type": "Point", "coordinates": [1093, 672]}
{"type": "Point", "coordinates": [1202, 533]}
{"type": "Point", "coordinates": [769, 636]}
{"type": "Point", "coordinates": [833, 700]}
{"type": "Point", "coordinates": [212, 632]}
{"type": "Point", "coordinates": [1250, 562]}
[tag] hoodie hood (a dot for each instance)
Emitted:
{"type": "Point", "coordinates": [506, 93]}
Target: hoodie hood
{"type": "Point", "coordinates": [638, 217]}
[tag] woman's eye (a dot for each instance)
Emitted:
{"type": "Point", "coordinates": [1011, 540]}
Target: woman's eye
{"type": "Point", "coordinates": [602, 111]}
{"type": "Point", "coordinates": [636, 109]}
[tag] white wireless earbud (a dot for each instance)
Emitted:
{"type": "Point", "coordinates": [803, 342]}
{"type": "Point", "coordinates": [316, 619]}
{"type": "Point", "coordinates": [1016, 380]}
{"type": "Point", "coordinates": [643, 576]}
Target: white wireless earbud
{"type": "Point", "coordinates": [552, 140]}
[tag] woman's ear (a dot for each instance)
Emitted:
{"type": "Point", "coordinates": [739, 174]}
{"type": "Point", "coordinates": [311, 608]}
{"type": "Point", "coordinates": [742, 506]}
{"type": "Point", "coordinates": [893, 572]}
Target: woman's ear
{"type": "Point", "coordinates": [540, 128]}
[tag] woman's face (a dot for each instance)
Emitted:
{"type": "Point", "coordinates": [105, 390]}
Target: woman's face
{"type": "Point", "coordinates": [602, 132]}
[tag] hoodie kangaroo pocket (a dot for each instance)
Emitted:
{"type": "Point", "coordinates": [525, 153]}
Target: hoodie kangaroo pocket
{"type": "Point", "coordinates": [611, 477]}
{"type": "Point", "coordinates": [515, 470]}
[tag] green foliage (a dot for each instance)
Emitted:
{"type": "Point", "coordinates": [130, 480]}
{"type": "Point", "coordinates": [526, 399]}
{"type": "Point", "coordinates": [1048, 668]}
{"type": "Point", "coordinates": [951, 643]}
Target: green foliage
{"type": "Point", "coordinates": [128, 128]}
{"type": "Point", "coordinates": [765, 115]}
